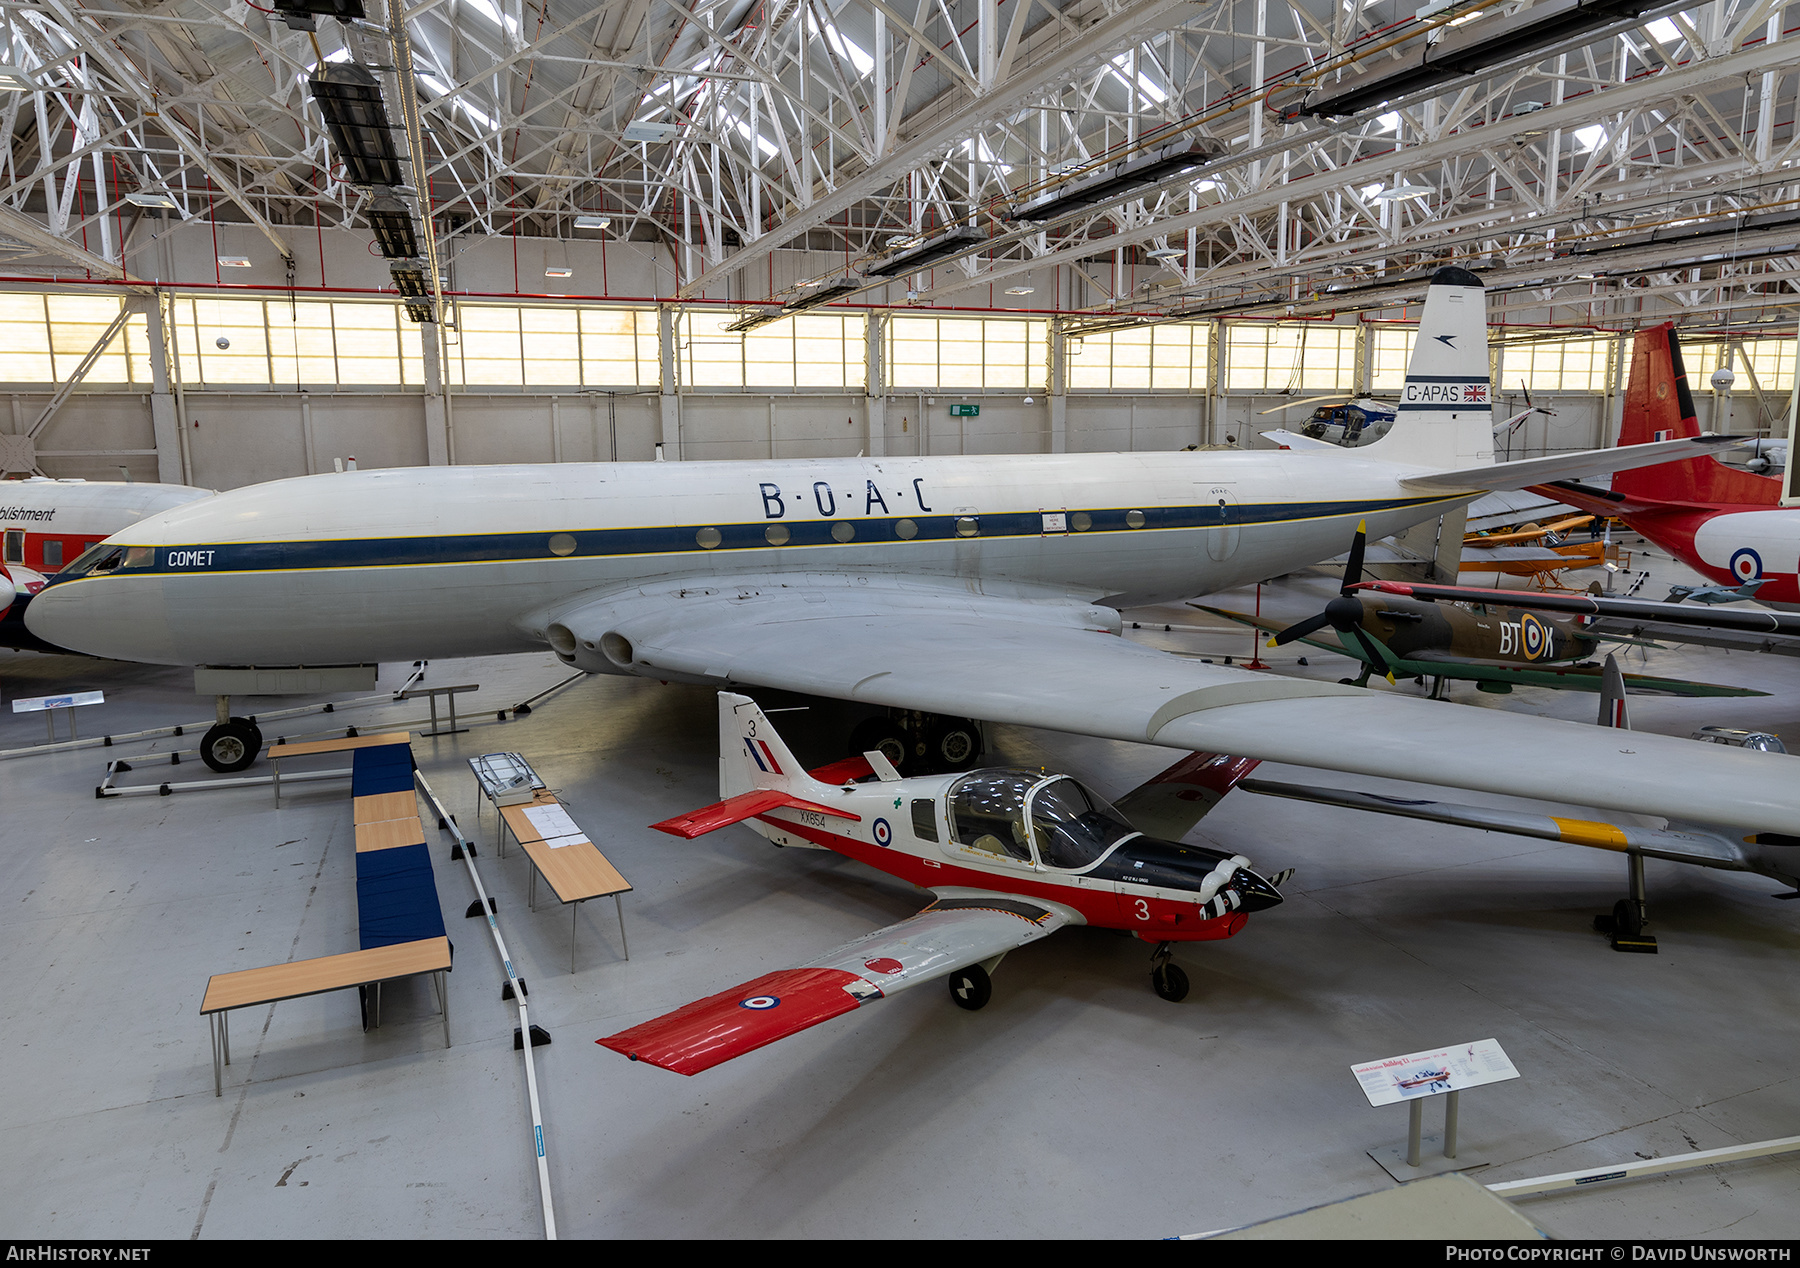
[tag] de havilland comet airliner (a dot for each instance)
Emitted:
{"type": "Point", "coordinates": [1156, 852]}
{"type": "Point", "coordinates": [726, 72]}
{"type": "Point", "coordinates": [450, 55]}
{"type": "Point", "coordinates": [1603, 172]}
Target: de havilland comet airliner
{"type": "Point", "coordinates": [984, 587]}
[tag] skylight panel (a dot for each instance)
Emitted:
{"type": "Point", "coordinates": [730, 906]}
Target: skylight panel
{"type": "Point", "coordinates": [1148, 89]}
{"type": "Point", "coordinates": [488, 10]}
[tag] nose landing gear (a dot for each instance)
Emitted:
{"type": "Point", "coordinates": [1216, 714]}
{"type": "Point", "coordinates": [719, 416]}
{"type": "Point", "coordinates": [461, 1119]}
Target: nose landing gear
{"type": "Point", "coordinates": [1167, 979]}
{"type": "Point", "coordinates": [231, 744]}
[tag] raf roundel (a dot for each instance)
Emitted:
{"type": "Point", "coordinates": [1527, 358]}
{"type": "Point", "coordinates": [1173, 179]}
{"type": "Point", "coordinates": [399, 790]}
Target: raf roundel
{"type": "Point", "coordinates": [1535, 637]}
{"type": "Point", "coordinates": [1746, 564]}
{"type": "Point", "coordinates": [884, 835]}
{"type": "Point", "coordinates": [760, 1003]}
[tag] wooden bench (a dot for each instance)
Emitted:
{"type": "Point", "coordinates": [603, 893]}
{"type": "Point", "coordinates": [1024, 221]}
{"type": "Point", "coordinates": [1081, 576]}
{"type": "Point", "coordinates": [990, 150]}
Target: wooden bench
{"type": "Point", "coordinates": [249, 987]}
{"type": "Point", "coordinates": [572, 864]}
{"type": "Point", "coordinates": [400, 924]}
{"type": "Point", "coordinates": [343, 744]}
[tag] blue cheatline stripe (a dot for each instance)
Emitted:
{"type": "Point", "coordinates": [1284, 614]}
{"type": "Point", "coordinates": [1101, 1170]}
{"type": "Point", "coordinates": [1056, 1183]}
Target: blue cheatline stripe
{"type": "Point", "coordinates": [391, 552]}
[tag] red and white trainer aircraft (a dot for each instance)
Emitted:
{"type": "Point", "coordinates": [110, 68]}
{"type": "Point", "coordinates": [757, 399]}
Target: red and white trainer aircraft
{"type": "Point", "coordinates": [1724, 522]}
{"type": "Point", "coordinates": [1010, 856]}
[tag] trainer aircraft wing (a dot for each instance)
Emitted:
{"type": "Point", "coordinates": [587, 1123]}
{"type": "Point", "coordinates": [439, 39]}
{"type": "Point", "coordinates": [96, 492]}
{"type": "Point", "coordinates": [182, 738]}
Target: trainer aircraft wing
{"type": "Point", "coordinates": [963, 927]}
{"type": "Point", "coordinates": [953, 650]}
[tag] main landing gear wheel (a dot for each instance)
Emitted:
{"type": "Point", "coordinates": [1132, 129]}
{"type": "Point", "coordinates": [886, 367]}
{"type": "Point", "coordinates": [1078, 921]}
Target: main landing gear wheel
{"type": "Point", "coordinates": [1168, 981]}
{"type": "Point", "coordinates": [953, 743]}
{"type": "Point", "coordinates": [1626, 922]}
{"type": "Point", "coordinates": [971, 988]}
{"type": "Point", "coordinates": [231, 746]}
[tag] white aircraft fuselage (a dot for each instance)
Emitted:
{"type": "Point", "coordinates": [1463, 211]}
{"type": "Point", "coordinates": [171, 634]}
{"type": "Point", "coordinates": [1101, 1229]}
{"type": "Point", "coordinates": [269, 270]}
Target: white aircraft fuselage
{"type": "Point", "coordinates": [407, 563]}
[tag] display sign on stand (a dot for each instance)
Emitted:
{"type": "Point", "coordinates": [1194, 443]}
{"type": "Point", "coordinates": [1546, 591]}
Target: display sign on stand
{"type": "Point", "coordinates": [1415, 1078]}
{"type": "Point", "coordinates": [48, 705]}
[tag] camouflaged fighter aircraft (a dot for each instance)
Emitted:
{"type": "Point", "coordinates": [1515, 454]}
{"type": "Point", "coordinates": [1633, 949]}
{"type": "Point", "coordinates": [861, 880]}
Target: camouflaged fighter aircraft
{"type": "Point", "coordinates": [1487, 641]}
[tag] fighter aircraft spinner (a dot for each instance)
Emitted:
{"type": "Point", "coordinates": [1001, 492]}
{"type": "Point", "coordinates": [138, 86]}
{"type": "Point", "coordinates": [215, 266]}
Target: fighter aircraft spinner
{"type": "Point", "coordinates": [1010, 855]}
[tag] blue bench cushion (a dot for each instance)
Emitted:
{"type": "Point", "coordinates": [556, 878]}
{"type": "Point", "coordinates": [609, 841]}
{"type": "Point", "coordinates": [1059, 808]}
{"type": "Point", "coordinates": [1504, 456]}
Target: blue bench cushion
{"type": "Point", "coordinates": [396, 897]}
{"type": "Point", "coordinates": [381, 770]}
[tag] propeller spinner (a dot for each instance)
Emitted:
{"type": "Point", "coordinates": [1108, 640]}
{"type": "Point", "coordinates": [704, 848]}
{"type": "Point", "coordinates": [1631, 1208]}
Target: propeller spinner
{"type": "Point", "coordinates": [1344, 613]}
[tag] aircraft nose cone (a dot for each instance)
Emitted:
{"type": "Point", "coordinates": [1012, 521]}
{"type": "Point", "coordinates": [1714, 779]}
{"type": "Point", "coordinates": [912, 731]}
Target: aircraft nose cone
{"type": "Point", "coordinates": [105, 617]}
{"type": "Point", "coordinates": [1254, 892]}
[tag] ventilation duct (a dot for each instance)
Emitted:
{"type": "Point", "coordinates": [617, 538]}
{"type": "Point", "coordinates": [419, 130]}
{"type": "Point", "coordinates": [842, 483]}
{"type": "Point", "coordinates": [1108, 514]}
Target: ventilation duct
{"type": "Point", "coordinates": [1116, 180]}
{"type": "Point", "coordinates": [350, 99]}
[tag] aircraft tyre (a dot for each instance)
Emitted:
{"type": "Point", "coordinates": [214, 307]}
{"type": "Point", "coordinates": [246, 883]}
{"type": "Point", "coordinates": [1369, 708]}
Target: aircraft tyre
{"type": "Point", "coordinates": [229, 747]}
{"type": "Point", "coordinates": [971, 988]}
{"type": "Point", "coordinates": [953, 743]}
{"type": "Point", "coordinates": [883, 734]}
{"type": "Point", "coordinates": [1170, 982]}
{"type": "Point", "coordinates": [1625, 921]}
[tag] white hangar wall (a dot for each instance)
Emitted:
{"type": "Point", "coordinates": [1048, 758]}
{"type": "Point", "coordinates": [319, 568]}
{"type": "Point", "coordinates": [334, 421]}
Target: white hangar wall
{"type": "Point", "coordinates": [263, 382]}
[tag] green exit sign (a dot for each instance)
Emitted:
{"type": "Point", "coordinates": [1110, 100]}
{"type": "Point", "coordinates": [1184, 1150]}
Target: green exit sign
{"type": "Point", "coordinates": [965, 411]}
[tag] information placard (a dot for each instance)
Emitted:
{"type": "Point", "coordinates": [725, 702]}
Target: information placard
{"type": "Point", "coordinates": [1453, 1069]}
{"type": "Point", "coordinates": [37, 704]}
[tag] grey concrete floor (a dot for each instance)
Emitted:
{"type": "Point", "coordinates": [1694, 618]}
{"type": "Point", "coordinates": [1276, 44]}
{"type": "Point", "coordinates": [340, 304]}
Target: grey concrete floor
{"type": "Point", "coordinates": [1077, 1104]}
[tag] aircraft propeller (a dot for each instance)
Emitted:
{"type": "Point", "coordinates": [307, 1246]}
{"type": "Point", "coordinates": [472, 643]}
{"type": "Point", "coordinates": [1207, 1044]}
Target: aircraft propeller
{"type": "Point", "coordinates": [1344, 613]}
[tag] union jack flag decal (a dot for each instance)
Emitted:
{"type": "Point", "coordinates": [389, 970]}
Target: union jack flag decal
{"type": "Point", "coordinates": [1476, 394]}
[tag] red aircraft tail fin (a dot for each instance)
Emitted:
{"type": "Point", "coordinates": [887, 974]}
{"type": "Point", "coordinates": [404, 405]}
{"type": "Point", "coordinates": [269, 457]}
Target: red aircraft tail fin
{"type": "Point", "coordinates": [1659, 405]}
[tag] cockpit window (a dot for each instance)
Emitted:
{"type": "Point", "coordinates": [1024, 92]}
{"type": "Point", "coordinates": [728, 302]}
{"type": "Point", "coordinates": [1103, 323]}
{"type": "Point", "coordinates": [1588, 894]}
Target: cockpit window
{"type": "Point", "coordinates": [100, 557]}
{"type": "Point", "coordinates": [1074, 827]}
{"type": "Point", "coordinates": [987, 811]}
{"type": "Point", "coordinates": [139, 557]}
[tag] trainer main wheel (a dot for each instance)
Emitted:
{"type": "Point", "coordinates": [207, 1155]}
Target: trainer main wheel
{"type": "Point", "coordinates": [971, 987]}
{"type": "Point", "coordinates": [1170, 982]}
{"type": "Point", "coordinates": [229, 747]}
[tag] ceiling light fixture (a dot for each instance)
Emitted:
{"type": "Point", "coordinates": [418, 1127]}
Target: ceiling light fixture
{"type": "Point", "coordinates": [592, 222]}
{"type": "Point", "coordinates": [1020, 290]}
{"type": "Point", "coordinates": [349, 97]}
{"type": "Point", "coordinates": [559, 270]}
{"type": "Point", "coordinates": [1115, 180]}
{"type": "Point", "coordinates": [153, 199]}
{"type": "Point", "coordinates": [234, 261]}
{"type": "Point", "coordinates": [953, 242]}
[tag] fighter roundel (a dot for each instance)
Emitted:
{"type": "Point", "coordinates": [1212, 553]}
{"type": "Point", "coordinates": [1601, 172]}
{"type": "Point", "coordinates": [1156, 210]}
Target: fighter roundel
{"type": "Point", "coordinates": [1534, 635]}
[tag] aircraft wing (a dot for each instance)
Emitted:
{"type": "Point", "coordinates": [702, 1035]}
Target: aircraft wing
{"type": "Point", "coordinates": [1295, 440]}
{"type": "Point", "coordinates": [1024, 657]}
{"type": "Point", "coordinates": [1681, 843]}
{"type": "Point", "coordinates": [1522, 473]}
{"type": "Point", "coordinates": [963, 927]}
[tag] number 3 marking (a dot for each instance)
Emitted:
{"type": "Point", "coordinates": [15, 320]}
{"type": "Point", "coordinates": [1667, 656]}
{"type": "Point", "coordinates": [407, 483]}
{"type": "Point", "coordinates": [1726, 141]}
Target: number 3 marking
{"type": "Point", "coordinates": [1143, 910]}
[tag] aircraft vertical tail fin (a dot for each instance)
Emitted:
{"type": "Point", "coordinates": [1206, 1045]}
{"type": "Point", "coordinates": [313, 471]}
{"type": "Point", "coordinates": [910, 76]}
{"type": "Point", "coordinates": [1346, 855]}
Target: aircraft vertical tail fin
{"type": "Point", "coordinates": [751, 753]}
{"type": "Point", "coordinates": [1659, 405]}
{"type": "Point", "coordinates": [1612, 696]}
{"type": "Point", "coordinates": [1445, 418]}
